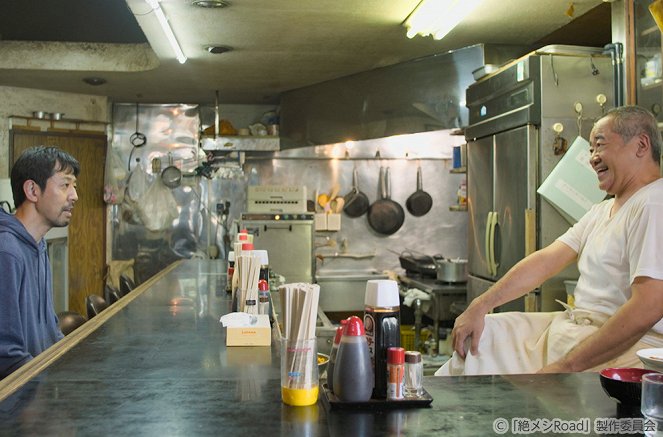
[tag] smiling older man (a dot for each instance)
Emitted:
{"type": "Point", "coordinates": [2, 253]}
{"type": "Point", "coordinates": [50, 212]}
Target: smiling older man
{"type": "Point", "coordinates": [618, 246]}
{"type": "Point", "coordinates": [43, 181]}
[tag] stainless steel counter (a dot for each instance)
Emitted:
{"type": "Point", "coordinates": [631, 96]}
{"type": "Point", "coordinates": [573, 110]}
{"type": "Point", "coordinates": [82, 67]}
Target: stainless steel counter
{"type": "Point", "coordinates": [158, 366]}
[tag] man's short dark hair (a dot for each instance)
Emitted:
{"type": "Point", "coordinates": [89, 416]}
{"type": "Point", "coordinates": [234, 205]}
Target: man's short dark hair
{"type": "Point", "coordinates": [39, 164]}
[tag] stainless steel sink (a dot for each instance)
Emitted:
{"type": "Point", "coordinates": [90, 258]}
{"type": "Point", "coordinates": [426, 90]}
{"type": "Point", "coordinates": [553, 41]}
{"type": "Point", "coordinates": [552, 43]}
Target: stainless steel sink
{"type": "Point", "coordinates": [343, 290]}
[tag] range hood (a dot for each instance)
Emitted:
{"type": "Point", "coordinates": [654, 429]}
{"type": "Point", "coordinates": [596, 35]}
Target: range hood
{"type": "Point", "coordinates": [421, 95]}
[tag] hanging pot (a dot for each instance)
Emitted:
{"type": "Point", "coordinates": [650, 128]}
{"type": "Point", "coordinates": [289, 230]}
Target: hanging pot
{"type": "Point", "coordinates": [451, 270]}
{"type": "Point", "coordinates": [171, 176]}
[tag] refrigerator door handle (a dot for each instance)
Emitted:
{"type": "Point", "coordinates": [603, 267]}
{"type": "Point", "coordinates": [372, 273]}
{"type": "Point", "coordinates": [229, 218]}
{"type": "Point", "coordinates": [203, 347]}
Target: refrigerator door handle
{"type": "Point", "coordinates": [491, 244]}
{"type": "Point", "coordinates": [488, 243]}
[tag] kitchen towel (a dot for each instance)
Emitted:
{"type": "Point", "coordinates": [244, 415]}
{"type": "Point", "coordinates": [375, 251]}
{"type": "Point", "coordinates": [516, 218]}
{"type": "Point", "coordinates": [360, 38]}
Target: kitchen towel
{"type": "Point", "coordinates": [572, 186]}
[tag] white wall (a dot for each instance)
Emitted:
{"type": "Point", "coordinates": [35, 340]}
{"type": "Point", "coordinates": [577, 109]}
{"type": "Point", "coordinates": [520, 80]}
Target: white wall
{"type": "Point", "coordinates": [23, 101]}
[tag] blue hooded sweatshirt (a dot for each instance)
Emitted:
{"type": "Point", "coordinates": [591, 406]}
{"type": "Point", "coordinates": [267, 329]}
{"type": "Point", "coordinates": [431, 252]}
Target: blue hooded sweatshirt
{"type": "Point", "coordinates": [28, 324]}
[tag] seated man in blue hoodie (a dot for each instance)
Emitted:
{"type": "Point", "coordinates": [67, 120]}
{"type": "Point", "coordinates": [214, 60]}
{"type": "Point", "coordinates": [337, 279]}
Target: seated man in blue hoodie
{"type": "Point", "coordinates": [43, 181]}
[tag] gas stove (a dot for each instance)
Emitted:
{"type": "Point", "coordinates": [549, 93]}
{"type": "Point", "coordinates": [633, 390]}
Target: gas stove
{"type": "Point", "coordinates": [430, 284]}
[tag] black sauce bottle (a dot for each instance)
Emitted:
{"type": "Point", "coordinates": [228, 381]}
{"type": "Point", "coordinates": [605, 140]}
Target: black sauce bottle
{"type": "Point", "coordinates": [382, 325]}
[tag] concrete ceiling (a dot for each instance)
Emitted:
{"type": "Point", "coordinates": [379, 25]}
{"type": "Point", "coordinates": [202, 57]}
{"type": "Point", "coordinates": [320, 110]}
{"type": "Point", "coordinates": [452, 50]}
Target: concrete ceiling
{"type": "Point", "coordinates": [277, 45]}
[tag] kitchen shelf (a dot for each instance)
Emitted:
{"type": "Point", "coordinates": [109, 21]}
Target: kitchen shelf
{"type": "Point", "coordinates": [241, 143]}
{"type": "Point", "coordinates": [458, 170]}
{"type": "Point", "coordinates": [458, 208]}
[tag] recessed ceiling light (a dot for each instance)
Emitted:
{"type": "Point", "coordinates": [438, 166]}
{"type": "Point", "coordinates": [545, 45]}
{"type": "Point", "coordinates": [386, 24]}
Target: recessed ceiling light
{"type": "Point", "coordinates": [94, 81]}
{"type": "Point", "coordinates": [218, 49]}
{"type": "Point", "coordinates": [210, 3]}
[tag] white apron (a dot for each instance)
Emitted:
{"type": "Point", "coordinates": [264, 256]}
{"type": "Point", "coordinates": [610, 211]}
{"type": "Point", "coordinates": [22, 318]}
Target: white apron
{"type": "Point", "coordinates": [516, 342]}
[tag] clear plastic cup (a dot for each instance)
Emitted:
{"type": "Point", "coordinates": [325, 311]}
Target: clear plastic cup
{"type": "Point", "coordinates": [652, 404]}
{"type": "Point", "coordinates": [299, 372]}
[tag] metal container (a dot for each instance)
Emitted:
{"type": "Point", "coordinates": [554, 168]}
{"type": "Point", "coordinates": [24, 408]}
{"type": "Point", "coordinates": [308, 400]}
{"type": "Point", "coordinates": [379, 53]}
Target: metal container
{"type": "Point", "coordinates": [451, 270]}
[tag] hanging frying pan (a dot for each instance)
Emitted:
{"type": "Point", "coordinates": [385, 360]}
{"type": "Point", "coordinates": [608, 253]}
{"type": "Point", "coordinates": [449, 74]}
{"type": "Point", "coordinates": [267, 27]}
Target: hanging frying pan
{"type": "Point", "coordinates": [384, 215]}
{"type": "Point", "coordinates": [419, 202]}
{"type": "Point", "coordinates": [356, 202]}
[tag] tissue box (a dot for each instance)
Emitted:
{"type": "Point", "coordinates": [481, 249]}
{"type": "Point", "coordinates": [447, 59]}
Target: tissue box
{"type": "Point", "coordinates": [259, 334]}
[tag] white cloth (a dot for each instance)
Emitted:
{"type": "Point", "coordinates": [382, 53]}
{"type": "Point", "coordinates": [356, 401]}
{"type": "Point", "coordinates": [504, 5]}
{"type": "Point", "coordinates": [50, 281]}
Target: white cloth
{"type": "Point", "coordinates": [612, 252]}
{"type": "Point", "coordinates": [525, 342]}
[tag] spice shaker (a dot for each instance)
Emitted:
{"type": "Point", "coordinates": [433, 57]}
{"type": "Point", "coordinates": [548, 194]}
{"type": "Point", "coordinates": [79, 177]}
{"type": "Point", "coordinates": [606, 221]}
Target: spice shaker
{"type": "Point", "coordinates": [395, 373]}
{"type": "Point", "coordinates": [414, 374]}
{"type": "Point", "coordinates": [382, 323]}
{"type": "Point", "coordinates": [353, 374]}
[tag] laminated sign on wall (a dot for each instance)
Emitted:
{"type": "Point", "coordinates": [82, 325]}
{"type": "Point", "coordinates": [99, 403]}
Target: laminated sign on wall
{"type": "Point", "coordinates": [572, 187]}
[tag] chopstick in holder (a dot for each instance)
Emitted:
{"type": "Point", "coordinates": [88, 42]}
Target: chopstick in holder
{"type": "Point", "coordinates": [299, 305]}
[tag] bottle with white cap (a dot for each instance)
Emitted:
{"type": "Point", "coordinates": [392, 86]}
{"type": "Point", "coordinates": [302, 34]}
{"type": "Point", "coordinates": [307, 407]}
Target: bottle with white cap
{"type": "Point", "coordinates": [382, 325]}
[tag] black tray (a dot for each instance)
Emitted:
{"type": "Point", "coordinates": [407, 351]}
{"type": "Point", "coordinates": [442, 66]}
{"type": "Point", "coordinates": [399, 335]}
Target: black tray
{"type": "Point", "coordinates": [330, 401]}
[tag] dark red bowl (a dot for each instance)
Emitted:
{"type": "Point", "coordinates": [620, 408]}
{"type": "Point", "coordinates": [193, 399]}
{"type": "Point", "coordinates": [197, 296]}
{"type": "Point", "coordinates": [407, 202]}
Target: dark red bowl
{"type": "Point", "coordinates": [624, 384]}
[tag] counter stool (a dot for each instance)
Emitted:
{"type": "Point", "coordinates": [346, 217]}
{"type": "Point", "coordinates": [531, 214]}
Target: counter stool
{"type": "Point", "coordinates": [113, 295]}
{"type": "Point", "coordinates": [94, 304]}
{"type": "Point", "coordinates": [126, 285]}
{"type": "Point", "coordinates": [68, 321]}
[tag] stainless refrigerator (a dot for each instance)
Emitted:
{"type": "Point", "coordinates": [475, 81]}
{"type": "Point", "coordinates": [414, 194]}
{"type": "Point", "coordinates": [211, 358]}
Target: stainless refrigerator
{"type": "Point", "coordinates": [522, 118]}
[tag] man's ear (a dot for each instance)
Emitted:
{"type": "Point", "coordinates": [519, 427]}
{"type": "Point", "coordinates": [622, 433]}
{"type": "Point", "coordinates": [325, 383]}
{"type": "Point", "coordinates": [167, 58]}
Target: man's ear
{"type": "Point", "coordinates": [31, 190]}
{"type": "Point", "coordinates": [644, 145]}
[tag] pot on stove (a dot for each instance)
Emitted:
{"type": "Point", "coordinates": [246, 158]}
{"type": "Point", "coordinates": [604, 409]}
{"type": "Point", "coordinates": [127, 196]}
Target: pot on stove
{"type": "Point", "coordinates": [451, 270]}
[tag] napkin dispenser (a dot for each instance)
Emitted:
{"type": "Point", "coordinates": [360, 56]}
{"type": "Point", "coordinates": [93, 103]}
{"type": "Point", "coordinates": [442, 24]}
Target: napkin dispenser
{"type": "Point", "coordinates": [243, 329]}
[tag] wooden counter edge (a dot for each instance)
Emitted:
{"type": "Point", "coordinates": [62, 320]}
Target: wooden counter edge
{"type": "Point", "coordinates": [25, 373]}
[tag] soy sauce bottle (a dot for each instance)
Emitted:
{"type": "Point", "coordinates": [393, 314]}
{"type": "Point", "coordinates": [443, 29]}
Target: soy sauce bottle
{"type": "Point", "coordinates": [353, 374]}
{"type": "Point", "coordinates": [382, 326]}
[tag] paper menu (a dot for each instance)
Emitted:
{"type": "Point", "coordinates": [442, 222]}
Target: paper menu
{"type": "Point", "coordinates": [572, 186]}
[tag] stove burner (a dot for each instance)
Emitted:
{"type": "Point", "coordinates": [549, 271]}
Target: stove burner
{"type": "Point", "coordinates": [418, 275]}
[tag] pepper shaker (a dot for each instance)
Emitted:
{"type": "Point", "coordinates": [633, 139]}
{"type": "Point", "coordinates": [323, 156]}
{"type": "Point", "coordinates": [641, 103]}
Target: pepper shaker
{"type": "Point", "coordinates": [414, 374]}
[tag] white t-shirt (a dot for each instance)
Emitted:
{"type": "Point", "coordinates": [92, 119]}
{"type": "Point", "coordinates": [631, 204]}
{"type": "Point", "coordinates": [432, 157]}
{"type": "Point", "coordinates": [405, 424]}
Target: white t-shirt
{"type": "Point", "coordinates": [613, 251]}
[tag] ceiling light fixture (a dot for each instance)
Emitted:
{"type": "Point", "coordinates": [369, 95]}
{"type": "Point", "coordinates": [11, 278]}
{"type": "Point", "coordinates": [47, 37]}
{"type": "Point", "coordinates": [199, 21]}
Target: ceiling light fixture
{"type": "Point", "coordinates": [167, 30]}
{"type": "Point", "coordinates": [218, 49]}
{"type": "Point", "coordinates": [210, 3]}
{"type": "Point", "coordinates": [438, 17]}
{"type": "Point", "coordinates": [94, 80]}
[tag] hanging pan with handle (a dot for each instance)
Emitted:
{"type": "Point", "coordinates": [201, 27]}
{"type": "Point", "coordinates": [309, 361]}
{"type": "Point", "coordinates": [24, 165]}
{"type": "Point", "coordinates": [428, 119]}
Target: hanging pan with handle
{"type": "Point", "coordinates": [419, 202]}
{"type": "Point", "coordinates": [171, 176]}
{"type": "Point", "coordinates": [356, 202]}
{"type": "Point", "coordinates": [384, 215]}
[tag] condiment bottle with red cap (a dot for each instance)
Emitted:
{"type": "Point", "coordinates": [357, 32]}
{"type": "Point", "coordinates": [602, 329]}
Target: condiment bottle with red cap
{"type": "Point", "coordinates": [333, 354]}
{"type": "Point", "coordinates": [353, 373]}
{"type": "Point", "coordinates": [263, 297]}
{"type": "Point", "coordinates": [395, 373]}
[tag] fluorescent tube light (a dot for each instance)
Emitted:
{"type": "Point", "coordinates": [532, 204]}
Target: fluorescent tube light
{"type": "Point", "coordinates": [167, 30]}
{"type": "Point", "coordinates": [438, 17]}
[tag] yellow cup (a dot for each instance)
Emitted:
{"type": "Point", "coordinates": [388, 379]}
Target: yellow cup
{"type": "Point", "coordinates": [299, 372]}
{"type": "Point", "coordinates": [299, 397]}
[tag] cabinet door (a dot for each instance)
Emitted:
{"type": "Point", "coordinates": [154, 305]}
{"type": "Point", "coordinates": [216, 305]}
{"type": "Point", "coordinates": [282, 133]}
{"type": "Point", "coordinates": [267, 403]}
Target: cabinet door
{"type": "Point", "coordinates": [511, 196]}
{"type": "Point", "coordinates": [648, 67]}
{"type": "Point", "coordinates": [479, 202]}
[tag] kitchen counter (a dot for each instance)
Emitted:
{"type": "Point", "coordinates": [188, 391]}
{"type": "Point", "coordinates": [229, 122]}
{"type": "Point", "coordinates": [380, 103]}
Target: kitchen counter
{"type": "Point", "coordinates": [155, 363]}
